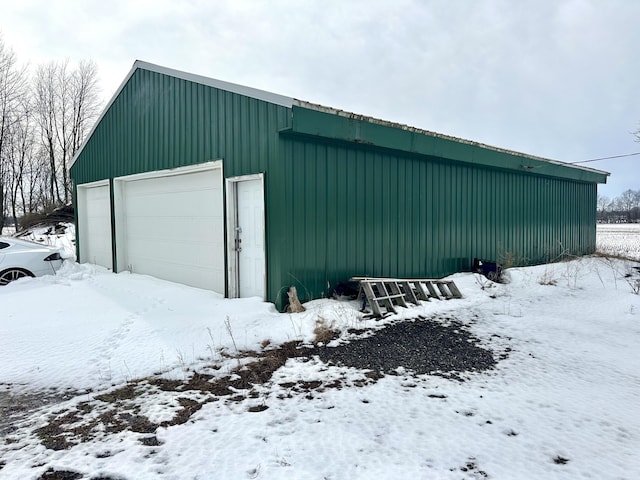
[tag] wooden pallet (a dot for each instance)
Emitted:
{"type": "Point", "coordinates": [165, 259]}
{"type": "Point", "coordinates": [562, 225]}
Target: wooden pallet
{"type": "Point", "coordinates": [385, 294]}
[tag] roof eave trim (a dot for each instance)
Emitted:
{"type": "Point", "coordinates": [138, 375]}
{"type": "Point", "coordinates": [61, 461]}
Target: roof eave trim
{"type": "Point", "coordinates": [329, 125]}
{"type": "Point", "coordinates": [251, 92]}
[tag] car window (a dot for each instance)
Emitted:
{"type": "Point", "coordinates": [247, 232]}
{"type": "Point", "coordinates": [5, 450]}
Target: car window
{"type": "Point", "coordinates": [3, 245]}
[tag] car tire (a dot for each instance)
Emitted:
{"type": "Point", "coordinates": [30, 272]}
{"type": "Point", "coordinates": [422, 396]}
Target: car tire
{"type": "Point", "coordinates": [11, 274]}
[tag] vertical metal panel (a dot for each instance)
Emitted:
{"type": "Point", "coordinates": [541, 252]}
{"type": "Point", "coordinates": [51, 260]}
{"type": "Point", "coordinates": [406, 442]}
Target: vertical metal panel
{"type": "Point", "coordinates": [160, 122]}
{"type": "Point", "coordinates": [391, 215]}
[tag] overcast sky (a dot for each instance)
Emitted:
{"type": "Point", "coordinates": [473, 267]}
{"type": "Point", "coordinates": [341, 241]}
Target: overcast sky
{"type": "Point", "coordinates": [554, 78]}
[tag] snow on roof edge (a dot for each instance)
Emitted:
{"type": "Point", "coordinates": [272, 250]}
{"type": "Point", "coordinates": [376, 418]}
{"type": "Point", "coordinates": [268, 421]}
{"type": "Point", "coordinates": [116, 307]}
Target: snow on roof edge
{"type": "Point", "coordinates": [408, 128]}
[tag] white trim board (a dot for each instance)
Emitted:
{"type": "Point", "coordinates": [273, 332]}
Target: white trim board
{"type": "Point", "coordinates": [172, 171]}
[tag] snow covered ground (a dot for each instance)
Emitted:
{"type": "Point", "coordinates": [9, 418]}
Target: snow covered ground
{"type": "Point", "coordinates": [619, 239]}
{"type": "Point", "coordinates": [561, 402]}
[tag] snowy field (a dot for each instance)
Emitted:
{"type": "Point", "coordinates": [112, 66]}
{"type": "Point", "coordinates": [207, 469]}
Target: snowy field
{"type": "Point", "coordinates": [97, 381]}
{"type": "Point", "coordinates": [619, 239]}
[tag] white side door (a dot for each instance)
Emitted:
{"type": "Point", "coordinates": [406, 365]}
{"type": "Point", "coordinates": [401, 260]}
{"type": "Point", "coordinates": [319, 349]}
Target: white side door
{"type": "Point", "coordinates": [248, 278]}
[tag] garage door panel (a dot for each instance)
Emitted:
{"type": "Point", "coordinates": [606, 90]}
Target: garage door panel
{"type": "Point", "coordinates": [175, 229]}
{"type": "Point", "coordinates": [94, 215]}
{"type": "Point", "coordinates": [187, 275]}
{"type": "Point", "coordinates": [177, 184]}
{"type": "Point", "coordinates": [166, 221]}
{"type": "Point", "coordinates": [171, 203]}
{"type": "Point", "coordinates": [151, 265]}
{"type": "Point", "coordinates": [172, 228]}
{"type": "Point", "coordinates": [195, 254]}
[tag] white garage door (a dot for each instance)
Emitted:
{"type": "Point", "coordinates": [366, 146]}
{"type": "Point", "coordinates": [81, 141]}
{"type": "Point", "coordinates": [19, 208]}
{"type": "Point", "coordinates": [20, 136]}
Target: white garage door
{"type": "Point", "coordinates": [170, 225]}
{"type": "Point", "coordinates": [94, 224]}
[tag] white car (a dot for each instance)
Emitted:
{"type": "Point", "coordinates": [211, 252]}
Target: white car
{"type": "Point", "coordinates": [21, 258]}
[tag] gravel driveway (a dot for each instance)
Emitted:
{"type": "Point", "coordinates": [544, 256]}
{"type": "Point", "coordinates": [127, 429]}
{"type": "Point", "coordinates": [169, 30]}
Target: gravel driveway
{"type": "Point", "coordinates": [424, 346]}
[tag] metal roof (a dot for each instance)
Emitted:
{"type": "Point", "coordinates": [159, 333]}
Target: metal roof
{"type": "Point", "coordinates": [289, 102]}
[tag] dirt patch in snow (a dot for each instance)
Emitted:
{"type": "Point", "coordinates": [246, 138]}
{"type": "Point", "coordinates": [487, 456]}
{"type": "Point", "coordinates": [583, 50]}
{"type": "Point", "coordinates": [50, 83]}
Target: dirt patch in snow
{"type": "Point", "coordinates": [421, 346]}
{"type": "Point", "coordinates": [17, 406]}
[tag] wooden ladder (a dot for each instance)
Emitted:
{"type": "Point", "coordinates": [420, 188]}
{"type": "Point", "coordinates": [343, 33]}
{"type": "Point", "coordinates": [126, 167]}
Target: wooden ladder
{"type": "Point", "coordinates": [385, 294]}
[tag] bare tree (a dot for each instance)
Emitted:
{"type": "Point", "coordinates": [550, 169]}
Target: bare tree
{"type": "Point", "coordinates": [627, 200]}
{"type": "Point", "coordinates": [41, 128]}
{"type": "Point", "coordinates": [46, 103]}
{"type": "Point", "coordinates": [603, 202]}
{"type": "Point", "coordinates": [85, 101]}
{"type": "Point", "coordinates": [67, 103]}
{"type": "Point", "coordinates": [13, 88]}
{"type": "Point", "coordinates": [21, 155]}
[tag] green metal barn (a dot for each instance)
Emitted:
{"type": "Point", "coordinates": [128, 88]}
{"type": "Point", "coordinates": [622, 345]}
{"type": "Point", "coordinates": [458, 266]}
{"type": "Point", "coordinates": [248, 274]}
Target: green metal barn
{"type": "Point", "coordinates": [245, 192]}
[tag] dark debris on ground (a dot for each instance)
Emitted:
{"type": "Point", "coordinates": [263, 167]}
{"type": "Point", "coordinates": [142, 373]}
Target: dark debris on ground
{"type": "Point", "coordinates": [422, 346]}
{"type": "Point", "coordinates": [436, 346]}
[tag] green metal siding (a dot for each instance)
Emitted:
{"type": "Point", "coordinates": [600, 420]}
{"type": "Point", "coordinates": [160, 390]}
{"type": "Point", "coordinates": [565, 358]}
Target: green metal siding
{"type": "Point", "coordinates": [159, 122]}
{"type": "Point", "coordinates": [345, 197]}
{"type": "Point", "coordinates": [360, 211]}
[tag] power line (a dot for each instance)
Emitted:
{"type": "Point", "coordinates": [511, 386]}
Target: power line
{"type": "Point", "coordinates": [607, 158]}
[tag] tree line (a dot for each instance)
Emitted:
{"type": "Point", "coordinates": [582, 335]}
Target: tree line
{"type": "Point", "coordinates": [45, 113]}
{"type": "Point", "coordinates": [624, 208]}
